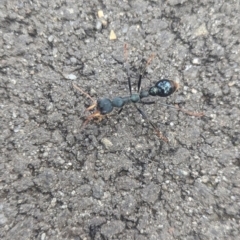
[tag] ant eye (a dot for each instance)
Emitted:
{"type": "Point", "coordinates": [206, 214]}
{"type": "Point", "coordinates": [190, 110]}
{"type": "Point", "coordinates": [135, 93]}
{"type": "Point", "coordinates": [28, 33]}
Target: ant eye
{"type": "Point", "coordinates": [104, 105]}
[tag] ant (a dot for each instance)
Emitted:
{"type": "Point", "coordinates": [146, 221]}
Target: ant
{"type": "Point", "coordinates": [162, 88]}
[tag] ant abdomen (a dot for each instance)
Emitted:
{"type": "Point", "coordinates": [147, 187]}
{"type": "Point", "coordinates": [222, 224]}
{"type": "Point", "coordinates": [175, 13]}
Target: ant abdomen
{"type": "Point", "coordinates": [163, 88]}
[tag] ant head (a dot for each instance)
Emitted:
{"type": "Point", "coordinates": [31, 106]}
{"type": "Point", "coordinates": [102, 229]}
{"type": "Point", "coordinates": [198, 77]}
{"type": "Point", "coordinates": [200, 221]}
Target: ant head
{"type": "Point", "coordinates": [104, 106]}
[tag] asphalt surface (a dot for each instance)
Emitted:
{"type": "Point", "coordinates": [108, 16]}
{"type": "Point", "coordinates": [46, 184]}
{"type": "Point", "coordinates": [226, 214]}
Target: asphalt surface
{"type": "Point", "coordinates": [117, 179]}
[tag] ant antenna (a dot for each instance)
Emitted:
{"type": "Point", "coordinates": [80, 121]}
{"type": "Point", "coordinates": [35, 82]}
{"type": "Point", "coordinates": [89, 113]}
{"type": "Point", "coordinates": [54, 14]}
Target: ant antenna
{"type": "Point", "coordinates": [127, 68]}
{"type": "Point", "coordinates": [177, 108]}
{"type": "Point", "coordinates": [143, 71]}
{"type": "Point", "coordinates": [84, 93]}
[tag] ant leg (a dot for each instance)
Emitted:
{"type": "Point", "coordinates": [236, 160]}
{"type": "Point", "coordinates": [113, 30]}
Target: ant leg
{"type": "Point", "coordinates": [144, 116]}
{"type": "Point", "coordinates": [84, 93]}
{"type": "Point", "coordinates": [96, 114]}
{"type": "Point", "coordinates": [143, 71]}
{"type": "Point", "coordinates": [148, 103]}
{"type": "Point", "coordinates": [177, 108]}
{"type": "Point", "coordinates": [91, 107]}
{"type": "Point", "coordinates": [196, 114]}
{"type": "Point", "coordinates": [88, 96]}
{"type": "Point", "coordinates": [120, 110]}
{"type": "Point", "coordinates": [127, 68]}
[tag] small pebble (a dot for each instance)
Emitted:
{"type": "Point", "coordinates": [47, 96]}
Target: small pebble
{"type": "Point", "coordinates": [43, 236]}
{"type": "Point", "coordinates": [201, 30]}
{"type": "Point", "coordinates": [112, 35]}
{"type": "Point", "coordinates": [204, 179]}
{"type": "Point", "coordinates": [196, 61]}
{"type": "Point", "coordinates": [102, 19]}
{"type": "Point", "coordinates": [92, 92]}
{"type": "Point", "coordinates": [71, 76]}
{"type": "Point", "coordinates": [107, 143]}
{"type": "Point", "coordinates": [50, 38]}
{"type": "Point", "coordinates": [125, 28]}
{"type": "Point", "coordinates": [230, 84]}
{"type": "Point", "coordinates": [98, 25]}
{"type": "Point", "coordinates": [100, 14]}
{"type": "Point", "coordinates": [73, 59]}
{"type": "Point", "coordinates": [194, 91]}
{"type": "Point", "coordinates": [55, 51]}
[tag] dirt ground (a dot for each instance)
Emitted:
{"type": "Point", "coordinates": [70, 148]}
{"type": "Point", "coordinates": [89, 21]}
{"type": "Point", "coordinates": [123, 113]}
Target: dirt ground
{"type": "Point", "coordinates": [117, 179]}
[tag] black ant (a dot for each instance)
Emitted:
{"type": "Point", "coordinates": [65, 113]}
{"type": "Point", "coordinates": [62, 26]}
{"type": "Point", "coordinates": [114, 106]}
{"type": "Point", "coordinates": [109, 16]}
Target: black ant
{"type": "Point", "coordinates": [162, 88]}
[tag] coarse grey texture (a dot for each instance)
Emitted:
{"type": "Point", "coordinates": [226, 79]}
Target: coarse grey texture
{"type": "Point", "coordinates": [117, 179]}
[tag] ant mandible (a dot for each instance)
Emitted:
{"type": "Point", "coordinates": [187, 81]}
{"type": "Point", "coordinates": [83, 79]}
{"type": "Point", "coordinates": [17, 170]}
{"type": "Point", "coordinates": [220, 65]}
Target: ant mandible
{"type": "Point", "coordinates": [162, 88]}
